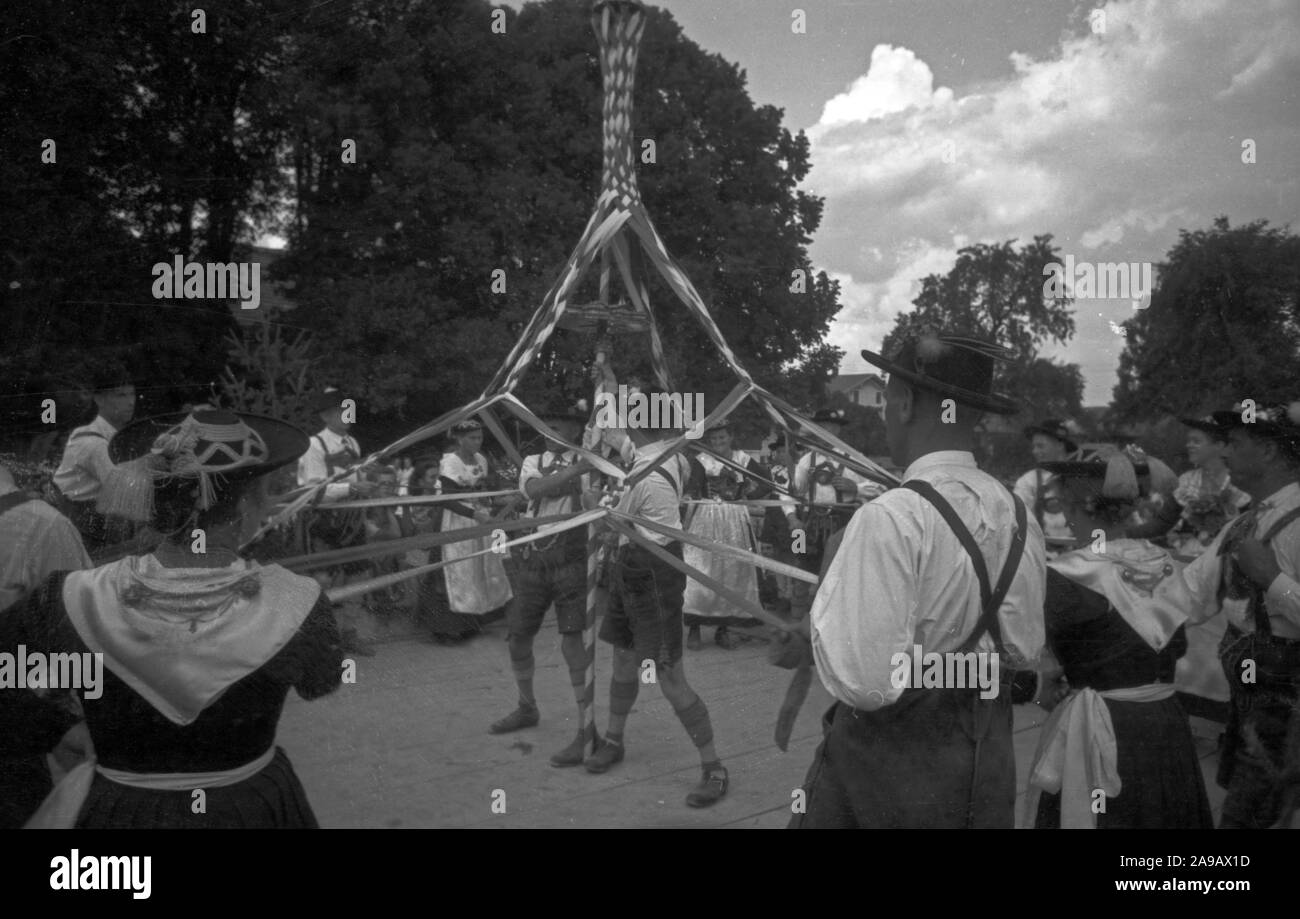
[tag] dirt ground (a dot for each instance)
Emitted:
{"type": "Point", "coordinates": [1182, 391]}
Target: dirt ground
{"type": "Point", "coordinates": [407, 745]}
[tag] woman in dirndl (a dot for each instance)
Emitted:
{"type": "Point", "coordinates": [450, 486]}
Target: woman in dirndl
{"type": "Point", "coordinates": [721, 516]}
{"type": "Point", "coordinates": [237, 637]}
{"type": "Point", "coordinates": [468, 594]}
{"type": "Point", "coordinates": [1115, 613]}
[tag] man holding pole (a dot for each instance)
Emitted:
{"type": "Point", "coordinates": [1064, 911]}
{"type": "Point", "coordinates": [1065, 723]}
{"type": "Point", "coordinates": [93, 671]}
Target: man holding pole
{"type": "Point", "coordinates": [551, 571]}
{"type": "Point", "coordinates": [644, 620]}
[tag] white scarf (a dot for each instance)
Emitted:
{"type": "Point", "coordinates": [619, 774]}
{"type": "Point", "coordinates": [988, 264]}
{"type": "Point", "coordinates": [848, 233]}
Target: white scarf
{"type": "Point", "coordinates": [1139, 579]}
{"type": "Point", "coordinates": [180, 637]}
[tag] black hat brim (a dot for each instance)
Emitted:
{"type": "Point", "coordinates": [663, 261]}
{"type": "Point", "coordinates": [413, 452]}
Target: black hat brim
{"type": "Point", "coordinates": [1211, 427]}
{"type": "Point", "coordinates": [985, 402]}
{"type": "Point", "coordinates": [1077, 469]}
{"type": "Point", "coordinates": [284, 442]}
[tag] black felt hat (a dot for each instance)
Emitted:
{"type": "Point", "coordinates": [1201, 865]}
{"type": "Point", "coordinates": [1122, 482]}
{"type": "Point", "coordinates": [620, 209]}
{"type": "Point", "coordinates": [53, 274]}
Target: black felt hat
{"type": "Point", "coordinates": [1279, 422]}
{"type": "Point", "coordinates": [954, 365]}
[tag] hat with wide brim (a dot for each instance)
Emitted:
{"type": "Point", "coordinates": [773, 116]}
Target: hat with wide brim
{"type": "Point", "coordinates": [284, 442]}
{"type": "Point", "coordinates": [1055, 429]}
{"type": "Point", "coordinates": [1206, 425]}
{"type": "Point", "coordinates": [957, 366]}
{"type": "Point", "coordinates": [211, 448]}
{"type": "Point", "coordinates": [1280, 423]}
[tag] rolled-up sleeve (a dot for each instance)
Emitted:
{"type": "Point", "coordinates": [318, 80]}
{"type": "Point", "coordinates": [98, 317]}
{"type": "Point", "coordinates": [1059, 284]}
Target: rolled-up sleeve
{"type": "Point", "coordinates": [531, 469]}
{"type": "Point", "coordinates": [864, 614]}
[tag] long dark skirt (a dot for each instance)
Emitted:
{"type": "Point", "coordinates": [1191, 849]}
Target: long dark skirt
{"type": "Point", "coordinates": [444, 624]}
{"type": "Point", "coordinates": [272, 799]}
{"type": "Point", "coordinates": [1161, 785]}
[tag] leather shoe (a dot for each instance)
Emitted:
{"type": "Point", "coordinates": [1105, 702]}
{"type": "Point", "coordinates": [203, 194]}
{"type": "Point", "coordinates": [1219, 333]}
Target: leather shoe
{"type": "Point", "coordinates": [575, 752]}
{"type": "Point", "coordinates": [525, 716]}
{"type": "Point", "coordinates": [711, 788]}
{"type": "Point", "coordinates": [608, 754]}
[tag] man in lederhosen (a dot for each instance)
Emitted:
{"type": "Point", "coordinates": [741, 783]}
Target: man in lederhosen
{"type": "Point", "coordinates": [916, 574]}
{"type": "Point", "coordinates": [1251, 573]}
{"type": "Point", "coordinates": [821, 482]}
{"type": "Point", "coordinates": [331, 449]}
{"type": "Point", "coordinates": [551, 571]}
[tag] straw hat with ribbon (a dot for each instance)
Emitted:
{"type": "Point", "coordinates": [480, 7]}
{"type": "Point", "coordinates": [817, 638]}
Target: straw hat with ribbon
{"type": "Point", "coordinates": [213, 449]}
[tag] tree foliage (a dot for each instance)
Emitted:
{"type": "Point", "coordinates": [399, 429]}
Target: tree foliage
{"type": "Point", "coordinates": [480, 152]}
{"type": "Point", "coordinates": [1223, 325]}
{"type": "Point", "coordinates": [997, 291]}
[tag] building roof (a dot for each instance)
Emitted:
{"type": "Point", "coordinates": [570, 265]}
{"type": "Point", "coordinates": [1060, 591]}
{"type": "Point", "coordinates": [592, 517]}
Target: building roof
{"type": "Point", "coordinates": [847, 382]}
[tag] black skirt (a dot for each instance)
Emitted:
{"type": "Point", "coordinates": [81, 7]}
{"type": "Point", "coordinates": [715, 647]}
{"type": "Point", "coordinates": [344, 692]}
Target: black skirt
{"type": "Point", "coordinates": [1161, 784]}
{"type": "Point", "coordinates": [272, 799]}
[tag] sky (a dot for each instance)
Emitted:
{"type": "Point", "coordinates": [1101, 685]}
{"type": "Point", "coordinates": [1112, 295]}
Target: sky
{"type": "Point", "coordinates": [936, 124]}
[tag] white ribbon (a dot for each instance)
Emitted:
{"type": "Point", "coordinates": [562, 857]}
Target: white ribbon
{"type": "Point", "coordinates": [60, 809]}
{"type": "Point", "coordinates": [1077, 754]}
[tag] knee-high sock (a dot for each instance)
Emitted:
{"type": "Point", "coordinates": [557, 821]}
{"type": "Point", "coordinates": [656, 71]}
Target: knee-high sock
{"type": "Point", "coordinates": [621, 696]}
{"type": "Point", "coordinates": [521, 662]}
{"type": "Point", "coordinates": [695, 718]}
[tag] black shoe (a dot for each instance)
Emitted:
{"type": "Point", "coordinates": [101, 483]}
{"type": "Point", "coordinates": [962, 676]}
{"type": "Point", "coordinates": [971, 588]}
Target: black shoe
{"type": "Point", "coordinates": [711, 788]}
{"type": "Point", "coordinates": [574, 753]}
{"type": "Point", "coordinates": [608, 754]}
{"type": "Point", "coordinates": [525, 716]}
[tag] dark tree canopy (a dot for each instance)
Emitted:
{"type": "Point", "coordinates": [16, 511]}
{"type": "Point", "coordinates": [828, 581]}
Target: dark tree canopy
{"type": "Point", "coordinates": [479, 152]}
{"type": "Point", "coordinates": [165, 143]}
{"type": "Point", "coordinates": [1223, 325]}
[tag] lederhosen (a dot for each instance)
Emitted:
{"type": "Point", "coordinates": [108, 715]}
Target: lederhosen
{"type": "Point", "coordinates": [1260, 709]}
{"type": "Point", "coordinates": [562, 547]}
{"type": "Point", "coordinates": [337, 529]}
{"type": "Point", "coordinates": [898, 766]}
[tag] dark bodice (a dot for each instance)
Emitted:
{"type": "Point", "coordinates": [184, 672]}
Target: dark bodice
{"type": "Point", "coordinates": [130, 734]}
{"type": "Point", "coordinates": [1096, 646]}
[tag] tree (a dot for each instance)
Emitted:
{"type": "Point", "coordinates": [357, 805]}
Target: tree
{"type": "Point", "coordinates": [478, 157]}
{"type": "Point", "coordinates": [1223, 325]}
{"type": "Point", "coordinates": [998, 291]}
{"type": "Point", "coordinates": [165, 143]}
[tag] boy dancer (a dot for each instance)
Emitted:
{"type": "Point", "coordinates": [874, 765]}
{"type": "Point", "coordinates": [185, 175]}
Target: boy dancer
{"type": "Point", "coordinates": [644, 621]}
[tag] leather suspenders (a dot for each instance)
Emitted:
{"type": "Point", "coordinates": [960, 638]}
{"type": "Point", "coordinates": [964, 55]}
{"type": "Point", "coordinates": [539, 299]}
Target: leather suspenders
{"type": "Point", "coordinates": [991, 597]}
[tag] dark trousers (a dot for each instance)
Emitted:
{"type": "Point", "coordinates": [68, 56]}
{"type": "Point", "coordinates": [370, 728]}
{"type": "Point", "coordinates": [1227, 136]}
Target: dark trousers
{"type": "Point", "coordinates": [935, 758]}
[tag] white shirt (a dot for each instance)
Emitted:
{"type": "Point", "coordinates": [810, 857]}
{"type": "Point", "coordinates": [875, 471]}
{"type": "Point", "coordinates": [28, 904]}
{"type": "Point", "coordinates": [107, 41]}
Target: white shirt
{"type": "Point", "coordinates": [1026, 488]}
{"type": "Point", "coordinates": [312, 466]}
{"type": "Point", "coordinates": [85, 463]}
{"type": "Point", "coordinates": [901, 578]}
{"type": "Point", "coordinates": [1204, 575]}
{"type": "Point", "coordinates": [652, 497]}
{"type": "Point", "coordinates": [824, 494]}
{"type": "Point", "coordinates": [35, 541]}
{"type": "Point", "coordinates": [552, 504]}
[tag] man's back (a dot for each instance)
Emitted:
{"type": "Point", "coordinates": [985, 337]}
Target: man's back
{"type": "Point", "coordinates": [899, 552]}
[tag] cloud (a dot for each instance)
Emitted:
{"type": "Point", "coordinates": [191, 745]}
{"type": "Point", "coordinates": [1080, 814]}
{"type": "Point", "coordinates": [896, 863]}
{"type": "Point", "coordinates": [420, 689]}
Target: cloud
{"type": "Point", "coordinates": [1112, 143]}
